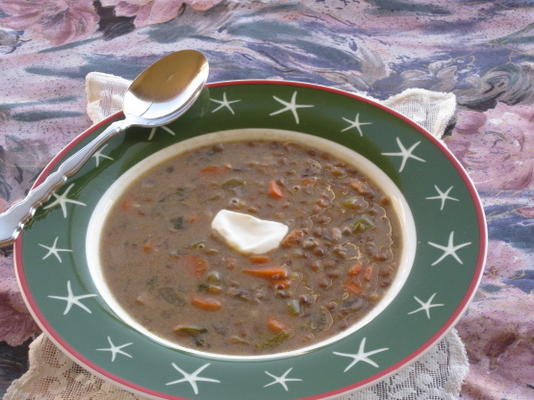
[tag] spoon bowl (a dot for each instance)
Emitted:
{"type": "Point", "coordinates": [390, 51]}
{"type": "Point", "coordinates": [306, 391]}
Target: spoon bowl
{"type": "Point", "coordinates": [159, 95]}
{"type": "Point", "coordinates": [166, 89]}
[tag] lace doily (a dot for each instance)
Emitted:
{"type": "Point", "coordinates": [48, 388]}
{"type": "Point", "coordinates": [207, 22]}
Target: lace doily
{"type": "Point", "coordinates": [437, 375]}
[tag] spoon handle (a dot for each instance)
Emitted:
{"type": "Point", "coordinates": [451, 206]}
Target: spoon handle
{"type": "Point", "coordinates": [12, 220]}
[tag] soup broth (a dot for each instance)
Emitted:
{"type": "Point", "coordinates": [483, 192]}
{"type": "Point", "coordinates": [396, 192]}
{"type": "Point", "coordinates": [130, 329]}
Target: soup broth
{"type": "Point", "coordinates": [173, 274]}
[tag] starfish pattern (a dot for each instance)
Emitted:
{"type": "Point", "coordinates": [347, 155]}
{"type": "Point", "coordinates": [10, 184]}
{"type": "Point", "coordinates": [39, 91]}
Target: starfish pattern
{"type": "Point", "coordinates": [361, 355]}
{"type": "Point", "coordinates": [62, 200]}
{"type": "Point", "coordinates": [355, 124]}
{"type": "Point", "coordinates": [290, 106]}
{"type": "Point", "coordinates": [449, 250]}
{"type": "Point", "coordinates": [405, 154]}
{"type": "Point", "coordinates": [282, 379]}
{"type": "Point", "coordinates": [224, 103]}
{"type": "Point", "coordinates": [98, 155]}
{"type": "Point", "coordinates": [73, 300]}
{"type": "Point", "coordinates": [114, 350]}
{"type": "Point", "coordinates": [192, 378]}
{"type": "Point", "coordinates": [166, 129]}
{"type": "Point", "coordinates": [443, 196]}
{"type": "Point", "coordinates": [426, 306]}
{"type": "Point", "coordinates": [53, 250]}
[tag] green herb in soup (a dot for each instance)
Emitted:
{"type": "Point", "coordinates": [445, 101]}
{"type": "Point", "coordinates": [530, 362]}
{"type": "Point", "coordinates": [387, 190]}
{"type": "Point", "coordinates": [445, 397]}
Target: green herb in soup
{"type": "Point", "coordinates": [171, 272]}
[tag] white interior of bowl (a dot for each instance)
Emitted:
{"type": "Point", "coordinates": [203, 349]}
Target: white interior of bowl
{"type": "Point", "coordinates": [108, 200]}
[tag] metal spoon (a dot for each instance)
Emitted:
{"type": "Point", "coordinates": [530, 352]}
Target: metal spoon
{"type": "Point", "coordinates": [159, 95]}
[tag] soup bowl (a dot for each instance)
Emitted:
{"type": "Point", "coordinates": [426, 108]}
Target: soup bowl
{"type": "Point", "coordinates": [442, 227]}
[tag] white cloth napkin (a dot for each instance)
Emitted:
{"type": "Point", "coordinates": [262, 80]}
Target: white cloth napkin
{"type": "Point", "coordinates": [438, 374]}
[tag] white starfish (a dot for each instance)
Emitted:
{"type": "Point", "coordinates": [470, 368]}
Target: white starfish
{"type": "Point", "coordinates": [114, 350]}
{"type": "Point", "coordinates": [53, 250]}
{"type": "Point", "coordinates": [166, 129]}
{"type": "Point", "coordinates": [224, 103]}
{"type": "Point", "coordinates": [355, 124]}
{"type": "Point", "coordinates": [192, 378]}
{"type": "Point", "coordinates": [425, 306]}
{"type": "Point", "coordinates": [71, 299]}
{"type": "Point", "coordinates": [290, 106]}
{"type": "Point", "coordinates": [405, 154]}
{"type": "Point", "coordinates": [62, 200]}
{"type": "Point", "coordinates": [449, 250]}
{"type": "Point", "coordinates": [362, 355]}
{"type": "Point", "coordinates": [282, 379]}
{"type": "Point", "coordinates": [98, 155]}
{"type": "Point", "coordinates": [443, 196]}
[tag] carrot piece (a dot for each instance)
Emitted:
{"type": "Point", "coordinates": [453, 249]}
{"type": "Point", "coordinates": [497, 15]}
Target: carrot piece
{"type": "Point", "coordinates": [274, 190]}
{"type": "Point", "coordinates": [292, 238]}
{"type": "Point", "coordinates": [192, 219]}
{"type": "Point", "coordinates": [368, 273]}
{"type": "Point", "coordinates": [129, 204]}
{"type": "Point", "coordinates": [352, 287]}
{"type": "Point", "coordinates": [210, 169]}
{"type": "Point", "coordinates": [355, 269]}
{"type": "Point", "coordinates": [206, 303]}
{"type": "Point", "coordinates": [148, 247]}
{"type": "Point", "coordinates": [195, 264]}
{"type": "Point", "coordinates": [259, 259]}
{"type": "Point", "coordinates": [275, 325]}
{"type": "Point", "coordinates": [267, 272]}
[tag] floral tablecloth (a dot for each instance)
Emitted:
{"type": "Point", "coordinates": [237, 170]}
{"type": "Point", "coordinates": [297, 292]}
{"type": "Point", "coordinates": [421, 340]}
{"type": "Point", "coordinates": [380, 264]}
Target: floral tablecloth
{"type": "Point", "coordinates": [482, 51]}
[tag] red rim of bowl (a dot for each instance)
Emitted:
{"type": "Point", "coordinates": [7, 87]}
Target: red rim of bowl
{"type": "Point", "coordinates": [455, 316]}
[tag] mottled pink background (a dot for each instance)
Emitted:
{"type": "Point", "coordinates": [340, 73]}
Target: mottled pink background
{"type": "Point", "coordinates": [481, 51]}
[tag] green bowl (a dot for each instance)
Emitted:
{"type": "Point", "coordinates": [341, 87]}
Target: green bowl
{"type": "Point", "coordinates": [449, 249]}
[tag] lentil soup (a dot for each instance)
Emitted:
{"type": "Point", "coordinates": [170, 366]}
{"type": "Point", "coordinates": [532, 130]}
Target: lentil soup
{"type": "Point", "coordinates": [178, 279]}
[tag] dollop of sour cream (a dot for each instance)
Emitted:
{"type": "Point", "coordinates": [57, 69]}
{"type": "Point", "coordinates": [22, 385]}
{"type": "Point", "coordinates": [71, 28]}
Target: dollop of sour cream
{"type": "Point", "coordinates": [247, 234]}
